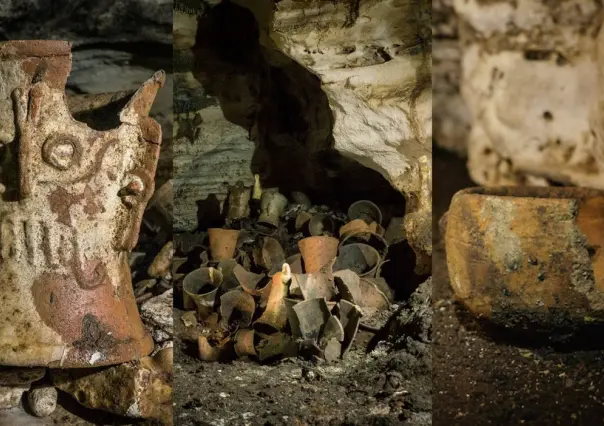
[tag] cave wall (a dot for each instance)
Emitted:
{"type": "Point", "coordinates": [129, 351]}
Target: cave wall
{"type": "Point", "coordinates": [528, 80]}
{"type": "Point", "coordinates": [332, 98]}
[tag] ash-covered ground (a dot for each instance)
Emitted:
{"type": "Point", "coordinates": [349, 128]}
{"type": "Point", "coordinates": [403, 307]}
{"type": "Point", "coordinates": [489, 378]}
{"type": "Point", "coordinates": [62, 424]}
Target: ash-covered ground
{"type": "Point", "coordinates": [385, 379]}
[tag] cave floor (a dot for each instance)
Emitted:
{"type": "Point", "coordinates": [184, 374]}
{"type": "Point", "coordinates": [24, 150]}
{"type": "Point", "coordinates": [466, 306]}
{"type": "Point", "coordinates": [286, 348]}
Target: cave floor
{"type": "Point", "coordinates": [482, 378]}
{"type": "Point", "coordinates": [294, 392]}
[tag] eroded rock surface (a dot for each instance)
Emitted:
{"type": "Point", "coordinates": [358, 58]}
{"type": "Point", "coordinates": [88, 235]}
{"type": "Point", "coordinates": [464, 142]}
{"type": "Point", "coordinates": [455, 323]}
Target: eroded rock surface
{"type": "Point", "coordinates": [529, 79]}
{"type": "Point", "coordinates": [138, 389]}
{"type": "Point", "coordinates": [305, 81]}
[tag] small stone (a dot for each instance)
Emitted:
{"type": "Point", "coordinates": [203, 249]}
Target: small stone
{"type": "Point", "coordinates": [42, 401]}
{"type": "Point", "coordinates": [160, 267]}
{"type": "Point", "coordinates": [137, 389]}
{"type": "Point", "coordinates": [156, 313]}
{"type": "Point", "coordinates": [189, 319]}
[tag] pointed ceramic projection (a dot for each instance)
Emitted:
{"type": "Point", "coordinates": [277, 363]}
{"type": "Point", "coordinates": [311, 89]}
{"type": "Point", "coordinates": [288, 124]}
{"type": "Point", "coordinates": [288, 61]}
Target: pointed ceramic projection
{"type": "Point", "coordinates": [274, 318]}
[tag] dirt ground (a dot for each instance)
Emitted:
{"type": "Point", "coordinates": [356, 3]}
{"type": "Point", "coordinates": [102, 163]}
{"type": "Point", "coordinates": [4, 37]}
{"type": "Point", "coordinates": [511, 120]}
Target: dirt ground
{"type": "Point", "coordinates": [388, 386]}
{"type": "Point", "coordinates": [482, 377]}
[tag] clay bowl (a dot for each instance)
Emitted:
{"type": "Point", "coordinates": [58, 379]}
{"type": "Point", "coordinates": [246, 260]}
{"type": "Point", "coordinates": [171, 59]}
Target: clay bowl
{"type": "Point", "coordinates": [528, 255]}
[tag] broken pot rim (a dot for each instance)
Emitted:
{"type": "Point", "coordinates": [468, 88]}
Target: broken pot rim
{"type": "Point", "coordinates": [370, 272]}
{"type": "Point", "coordinates": [199, 271]}
{"type": "Point", "coordinates": [369, 203]}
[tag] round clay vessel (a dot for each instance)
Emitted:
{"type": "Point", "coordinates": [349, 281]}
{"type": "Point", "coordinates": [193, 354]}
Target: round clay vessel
{"type": "Point", "coordinates": [223, 243]}
{"type": "Point", "coordinates": [318, 252]}
{"type": "Point", "coordinates": [528, 255]}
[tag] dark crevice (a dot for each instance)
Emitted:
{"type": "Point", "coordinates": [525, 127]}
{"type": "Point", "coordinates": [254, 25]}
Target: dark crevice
{"type": "Point", "coordinates": [285, 111]}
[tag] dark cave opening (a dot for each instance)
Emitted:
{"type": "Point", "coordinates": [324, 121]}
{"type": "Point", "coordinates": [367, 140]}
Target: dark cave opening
{"type": "Point", "coordinates": [289, 120]}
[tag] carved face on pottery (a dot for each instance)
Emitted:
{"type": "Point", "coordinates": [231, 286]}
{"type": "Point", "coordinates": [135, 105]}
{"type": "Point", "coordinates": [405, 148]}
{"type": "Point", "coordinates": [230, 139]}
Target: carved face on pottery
{"type": "Point", "coordinates": [72, 196]}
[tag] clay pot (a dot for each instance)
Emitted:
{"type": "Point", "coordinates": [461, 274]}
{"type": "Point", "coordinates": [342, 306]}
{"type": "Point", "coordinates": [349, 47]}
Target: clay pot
{"type": "Point", "coordinates": [272, 205]}
{"type": "Point", "coordinates": [274, 318]}
{"type": "Point", "coordinates": [528, 255]}
{"type": "Point", "coordinates": [200, 288]}
{"type": "Point", "coordinates": [370, 238]}
{"type": "Point", "coordinates": [223, 243]}
{"type": "Point", "coordinates": [365, 210]}
{"type": "Point", "coordinates": [353, 227]}
{"type": "Point", "coordinates": [321, 224]}
{"type": "Point", "coordinates": [318, 252]}
{"type": "Point", "coordinates": [244, 343]}
{"type": "Point", "coordinates": [239, 202]}
{"type": "Point", "coordinates": [72, 198]}
{"type": "Point", "coordinates": [360, 258]}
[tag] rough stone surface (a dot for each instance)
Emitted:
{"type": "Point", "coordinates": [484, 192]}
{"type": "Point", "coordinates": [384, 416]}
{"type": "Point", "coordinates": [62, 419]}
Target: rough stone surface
{"type": "Point", "coordinates": [42, 401]}
{"type": "Point", "coordinates": [139, 389]}
{"type": "Point", "coordinates": [378, 84]}
{"type": "Point", "coordinates": [10, 396]}
{"type": "Point", "coordinates": [157, 316]}
{"type": "Point", "coordinates": [528, 80]}
{"type": "Point", "coordinates": [308, 84]}
{"type": "Point", "coordinates": [18, 417]}
{"type": "Point", "coordinates": [451, 117]}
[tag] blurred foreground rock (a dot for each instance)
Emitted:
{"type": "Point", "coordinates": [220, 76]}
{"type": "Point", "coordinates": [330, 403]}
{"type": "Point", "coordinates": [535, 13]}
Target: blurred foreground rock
{"type": "Point", "coordinates": [138, 389]}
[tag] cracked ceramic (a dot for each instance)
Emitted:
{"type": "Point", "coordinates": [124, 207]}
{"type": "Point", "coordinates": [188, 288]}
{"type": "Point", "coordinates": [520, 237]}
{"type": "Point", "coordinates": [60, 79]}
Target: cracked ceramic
{"type": "Point", "coordinates": [528, 255]}
{"type": "Point", "coordinates": [72, 196]}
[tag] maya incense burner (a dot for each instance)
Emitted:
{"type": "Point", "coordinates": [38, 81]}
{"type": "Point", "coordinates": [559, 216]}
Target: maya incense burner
{"type": "Point", "coordinates": [528, 255]}
{"type": "Point", "coordinates": [72, 196]}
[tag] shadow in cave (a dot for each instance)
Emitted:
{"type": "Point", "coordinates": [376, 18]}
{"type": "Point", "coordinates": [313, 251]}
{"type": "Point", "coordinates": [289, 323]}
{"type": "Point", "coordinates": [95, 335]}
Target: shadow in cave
{"type": "Point", "coordinates": [285, 111]}
{"type": "Point", "coordinates": [561, 334]}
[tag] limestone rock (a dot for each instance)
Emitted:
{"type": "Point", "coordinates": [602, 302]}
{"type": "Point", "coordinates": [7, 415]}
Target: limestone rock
{"type": "Point", "coordinates": [12, 376]}
{"type": "Point", "coordinates": [10, 396]}
{"type": "Point", "coordinates": [378, 84]}
{"type": "Point", "coordinates": [156, 313]}
{"type": "Point", "coordinates": [451, 117]}
{"type": "Point", "coordinates": [42, 401]}
{"type": "Point", "coordinates": [18, 417]}
{"type": "Point", "coordinates": [528, 81]}
{"type": "Point", "coordinates": [139, 389]}
{"type": "Point", "coordinates": [93, 21]}
{"type": "Point", "coordinates": [160, 267]}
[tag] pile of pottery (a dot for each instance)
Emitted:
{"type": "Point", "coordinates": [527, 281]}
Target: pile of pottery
{"type": "Point", "coordinates": [262, 301]}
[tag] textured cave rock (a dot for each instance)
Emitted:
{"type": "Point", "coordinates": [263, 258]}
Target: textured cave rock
{"type": "Point", "coordinates": [344, 116]}
{"type": "Point", "coordinates": [451, 118]}
{"type": "Point", "coordinates": [529, 81]}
